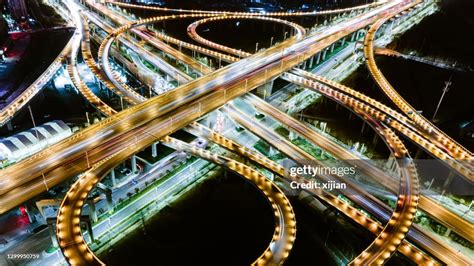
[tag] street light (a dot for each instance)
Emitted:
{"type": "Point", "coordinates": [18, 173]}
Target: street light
{"type": "Point", "coordinates": [446, 89]}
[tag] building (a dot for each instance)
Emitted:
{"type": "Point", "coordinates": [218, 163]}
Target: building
{"type": "Point", "coordinates": [28, 142]}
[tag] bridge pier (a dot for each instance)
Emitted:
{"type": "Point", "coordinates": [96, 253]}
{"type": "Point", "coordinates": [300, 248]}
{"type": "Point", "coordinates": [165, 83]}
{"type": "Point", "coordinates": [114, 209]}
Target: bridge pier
{"type": "Point", "coordinates": [353, 35]}
{"type": "Point", "coordinates": [85, 220]}
{"type": "Point", "coordinates": [110, 204]}
{"type": "Point", "coordinates": [266, 89]}
{"type": "Point", "coordinates": [52, 231]}
{"type": "Point", "coordinates": [311, 61]}
{"type": "Point", "coordinates": [343, 41]}
{"type": "Point", "coordinates": [10, 125]}
{"type": "Point", "coordinates": [318, 59]}
{"type": "Point", "coordinates": [154, 149]}
{"type": "Point", "coordinates": [108, 196]}
{"type": "Point", "coordinates": [447, 233]}
{"type": "Point", "coordinates": [449, 179]}
{"type": "Point", "coordinates": [272, 151]}
{"type": "Point", "coordinates": [375, 139]}
{"type": "Point", "coordinates": [332, 47]}
{"type": "Point", "coordinates": [29, 213]}
{"type": "Point", "coordinates": [112, 177]}
{"type": "Point", "coordinates": [363, 128]}
{"type": "Point", "coordinates": [133, 161]}
{"type": "Point", "coordinates": [418, 154]}
{"type": "Point", "coordinates": [92, 209]}
{"type": "Point", "coordinates": [391, 163]}
{"type": "Point", "coordinates": [303, 65]}
{"type": "Point", "coordinates": [292, 135]}
{"type": "Point", "coordinates": [324, 54]}
{"type": "Point", "coordinates": [311, 201]}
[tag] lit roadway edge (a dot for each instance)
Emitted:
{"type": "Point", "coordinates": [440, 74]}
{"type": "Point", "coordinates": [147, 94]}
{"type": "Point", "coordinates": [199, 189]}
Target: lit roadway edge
{"type": "Point", "coordinates": [77, 252]}
{"type": "Point", "coordinates": [73, 150]}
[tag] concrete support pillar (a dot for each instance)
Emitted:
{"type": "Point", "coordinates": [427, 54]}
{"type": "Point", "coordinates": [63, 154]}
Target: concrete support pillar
{"type": "Point", "coordinates": [418, 154]}
{"type": "Point", "coordinates": [272, 176]}
{"type": "Point", "coordinates": [52, 234]}
{"type": "Point", "coordinates": [292, 135]}
{"type": "Point", "coordinates": [134, 163]}
{"type": "Point", "coordinates": [449, 179]}
{"type": "Point", "coordinates": [332, 47]}
{"type": "Point", "coordinates": [29, 213]}
{"type": "Point", "coordinates": [311, 62]}
{"type": "Point", "coordinates": [448, 231]}
{"type": "Point", "coordinates": [353, 35]}
{"type": "Point", "coordinates": [89, 230]}
{"type": "Point", "coordinates": [272, 151]}
{"type": "Point", "coordinates": [390, 162]}
{"type": "Point", "coordinates": [110, 203]}
{"type": "Point", "coordinates": [375, 139]}
{"type": "Point", "coordinates": [324, 54]}
{"type": "Point", "coordinates": [266, 89]}
{"type": "Point", "coordinates": [318, 59]}
{"type": "Point", "coordinates": [343, 41]}
{"type": "Point", "coordinates": [9, 125]}
{"type": "Point", "coordinates": [154, 150]}
{"type": "Point", "coordinates": [92, 209]}
{"type": "Point", "coordinates": [363, 128]}
{"type": "Point", "coordinates": [112, 177]}
{"type": "Point", "coordinates": [311, 201]}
